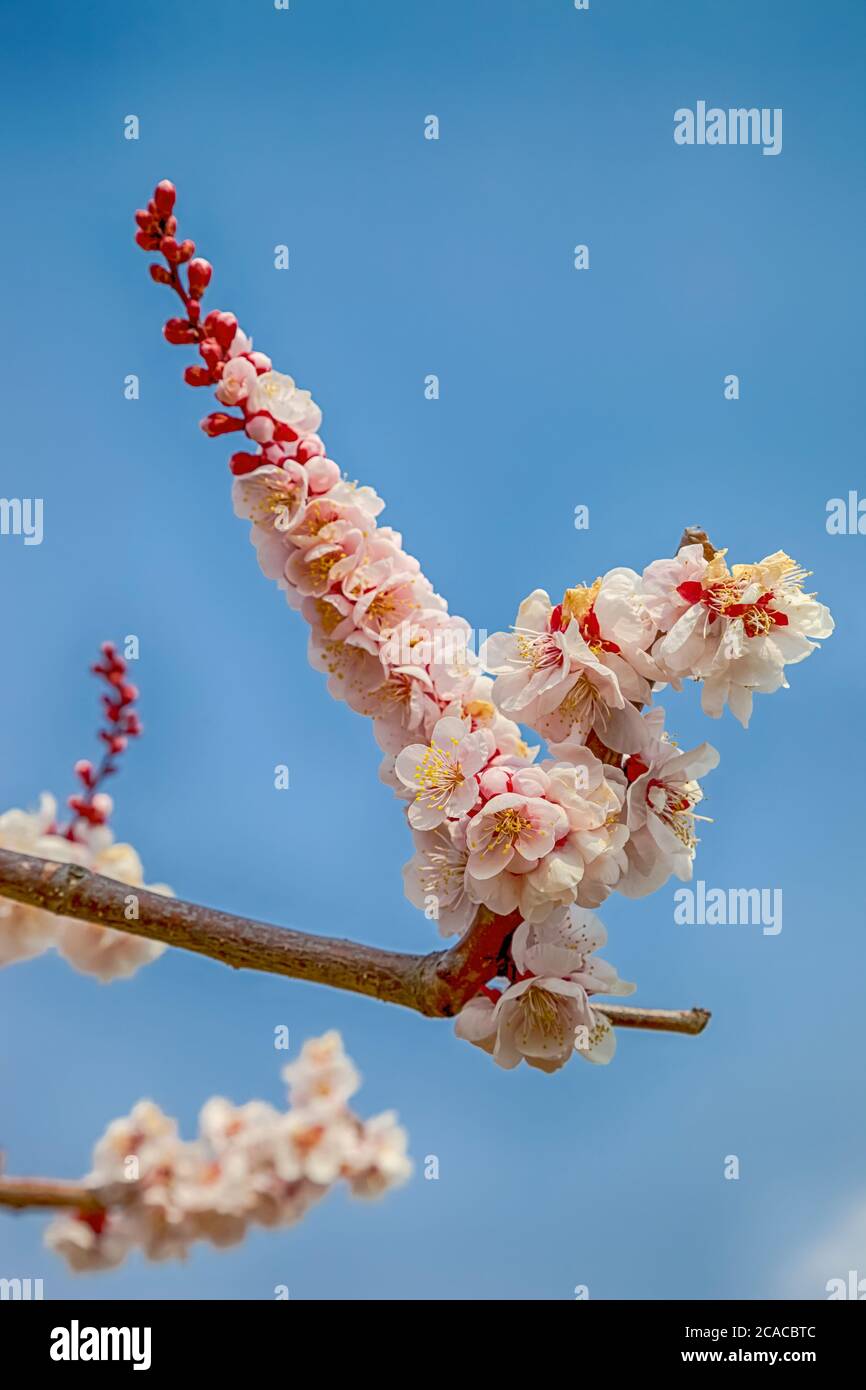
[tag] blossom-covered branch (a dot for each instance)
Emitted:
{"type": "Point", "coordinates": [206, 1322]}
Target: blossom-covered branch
{"type": "Point", "coordinates": [542, 842]}
{"type": "Point", "coordinates": [437, 985]}
{"type": "Point", "coordinates": [250, 1165]}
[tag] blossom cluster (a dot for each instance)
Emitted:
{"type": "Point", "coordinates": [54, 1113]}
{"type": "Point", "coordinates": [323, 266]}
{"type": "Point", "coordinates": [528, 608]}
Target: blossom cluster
{"type": "Point", "coordinates": [251, 1164]}
{"type": "Point", "coordinates": [495, 827]}
{"type": "Point", "coordinates": [87, 839]}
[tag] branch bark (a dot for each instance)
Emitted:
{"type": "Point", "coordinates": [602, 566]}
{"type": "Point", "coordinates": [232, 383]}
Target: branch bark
{"type": "Point", "coordinates": [436, 985]}
{"type": "Point", "coordinates": [28, 1194]}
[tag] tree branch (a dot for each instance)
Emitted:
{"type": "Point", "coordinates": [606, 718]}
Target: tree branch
{"type": "Point", "coordinates": [25, 1194]}
{"type": "Point", "coordinates": [693, 535]}
{"type": "Point", "coordinates": [437, 985]}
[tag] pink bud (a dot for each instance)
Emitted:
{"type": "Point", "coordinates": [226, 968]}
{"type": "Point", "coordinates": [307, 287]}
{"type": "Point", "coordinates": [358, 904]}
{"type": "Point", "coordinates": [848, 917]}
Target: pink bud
{"type": "Point", "coordinates": [260, 428]}
{"type": "Point", "coordinates": [309, 448]}
{"type": "Point", "coordinates": [322, 474]}
{"type": "Point", "coordinates": [494, 782]}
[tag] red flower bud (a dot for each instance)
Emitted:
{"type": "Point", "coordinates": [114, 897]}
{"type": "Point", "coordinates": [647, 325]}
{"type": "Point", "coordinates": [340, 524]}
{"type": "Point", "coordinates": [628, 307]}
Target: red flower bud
{"type": "Point", "coordinates": [200, 272]}
{"type": "Point", "coordinates": [197, 376]}
{"type": "Point", "coordinates": [160, 274]}
{"type": "Point", "coordinates": [118, 744]}
{"type": "Point", "coordinates": [223, 327]}
{"type": "Point", "coordinates": [244, 463]}
{"type": "Point", "coordinates": [284, 434]}
{"type": "Point", "coordinates": [129, 692]}
{"type": "Point", "coordinates": [186, 250]}
{"type": "Point", "coordinates": [211, 351]}
{"type": "Point", "coordinates": [164, 195]}
{"type": "Point", "coordinates": [179, 331]}
{"type": "Point", "coordinates": [170, 249]}
{"type": "Point", "coordinates": [146, 241]}
{"type": "Point", "coordinates": [220, 423]}
{"type": "Point", "coordinates": [145, 220]}
{"type": "Point", "coordinates": [84, 771]}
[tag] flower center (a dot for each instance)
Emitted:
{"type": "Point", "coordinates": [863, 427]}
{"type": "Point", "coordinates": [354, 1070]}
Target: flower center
{"type": "Point", "coordinates": [437, 775]}
{"type": "Point", "coordinates": [508, 826]}
{"type": "Point", "coordinates": [539, 652]}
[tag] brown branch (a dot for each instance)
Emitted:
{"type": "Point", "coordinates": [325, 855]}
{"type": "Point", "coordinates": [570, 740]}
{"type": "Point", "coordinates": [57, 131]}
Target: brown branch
{"type": "Point", "coordinates": [50, 1193]}
{"type": "Point", "coordinates": [437, 985]}
{"type": "Point", "coordinates": [693, 535]}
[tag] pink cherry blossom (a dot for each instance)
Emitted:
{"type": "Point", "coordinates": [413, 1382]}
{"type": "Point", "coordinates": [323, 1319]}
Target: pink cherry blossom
{"type": "Point", "coordinates": [441, 775]}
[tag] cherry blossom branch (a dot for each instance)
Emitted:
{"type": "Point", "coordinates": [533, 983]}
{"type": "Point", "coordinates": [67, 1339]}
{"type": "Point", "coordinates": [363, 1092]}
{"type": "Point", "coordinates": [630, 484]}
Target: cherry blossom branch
{"type": "Point", "coordinates": [436, 985]}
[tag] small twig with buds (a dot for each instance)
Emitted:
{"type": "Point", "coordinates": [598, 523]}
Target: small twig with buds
{"type": "Point", "coordinates": [122, 724]}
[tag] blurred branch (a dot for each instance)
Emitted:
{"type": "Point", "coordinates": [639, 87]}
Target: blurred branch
{"type": "Point", "coordinates": [49, 1194]}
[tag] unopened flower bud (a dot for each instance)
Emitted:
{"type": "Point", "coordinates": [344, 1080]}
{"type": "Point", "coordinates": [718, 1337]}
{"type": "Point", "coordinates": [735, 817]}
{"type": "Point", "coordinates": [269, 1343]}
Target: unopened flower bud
{"type": "Point", "coordinates": [198, 376]}
{"type": "Point", "coordinates": [163, 196]}
{"type": "Point", "coordinates": [179, 331]}
{"type": "Point", "coordinates": [494, 782]}
{"type": "Point", "coordinates": [220, 423]}
{"type": "Point", "coordinates": [200, 272]}
{"type": "Point", "coordinates": [244, 463]}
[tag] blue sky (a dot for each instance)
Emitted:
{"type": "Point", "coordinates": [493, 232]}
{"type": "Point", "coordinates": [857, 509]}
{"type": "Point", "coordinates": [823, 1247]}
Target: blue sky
{"type": "Point", "coordinates": [603, 387]}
